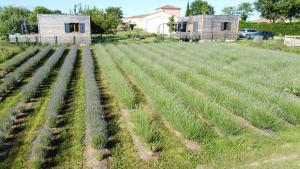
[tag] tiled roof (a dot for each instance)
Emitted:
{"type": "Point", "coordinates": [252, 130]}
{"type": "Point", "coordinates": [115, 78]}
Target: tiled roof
{"type": "Point", "coordinates": [140, 16]}
{"type": "Point", "coordinates": [168, 7]}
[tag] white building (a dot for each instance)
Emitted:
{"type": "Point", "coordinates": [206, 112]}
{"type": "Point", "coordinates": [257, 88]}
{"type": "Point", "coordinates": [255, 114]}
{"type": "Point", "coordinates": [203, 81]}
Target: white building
{"type": "Point", "coordinates": [155, 22]}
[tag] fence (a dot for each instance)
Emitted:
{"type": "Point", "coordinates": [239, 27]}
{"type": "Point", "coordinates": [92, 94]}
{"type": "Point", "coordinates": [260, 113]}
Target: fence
{"type": "Point", "coordinates": [75, 39]}
{"type": "Point", "coordinates": [207, 36]}
{"type": "Point", "coordinates": [293, 41]}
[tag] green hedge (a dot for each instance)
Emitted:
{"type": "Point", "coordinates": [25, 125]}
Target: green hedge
{"type": "Point", "coordinates": [280, 29]}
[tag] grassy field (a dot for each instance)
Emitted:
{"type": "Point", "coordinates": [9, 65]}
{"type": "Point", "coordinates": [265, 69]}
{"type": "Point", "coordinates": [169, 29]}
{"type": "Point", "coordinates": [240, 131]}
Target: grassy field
{"type": "Point", "coordinates": [277, 45]}
{"type": "Point", "coordinates": [8, 50]}
{"type": "Point", "coordinates": [214, 94]}
{"type": "Point", "coordinates": [131, 37]}
{"type": "Point", "coordinates": [151, 105]}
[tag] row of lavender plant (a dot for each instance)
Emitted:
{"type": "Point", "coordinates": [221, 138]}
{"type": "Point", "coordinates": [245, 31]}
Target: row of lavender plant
{"type": "Point", "coordinates": [96, 127]}
{"type": "Point", "coordinates": [18, 59]}
{"type": "Point", "coordinates": [42, 74]}
{"type": "Point", "coordinates": [27, 93]}
{"type": "Point", "coordinates": [17, 74]}
{"type": "Point", "coordinates": [43, 139]}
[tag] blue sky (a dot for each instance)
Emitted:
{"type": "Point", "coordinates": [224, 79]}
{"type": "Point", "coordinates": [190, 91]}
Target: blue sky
{"type": "Point", "coordinates": [130, 7]}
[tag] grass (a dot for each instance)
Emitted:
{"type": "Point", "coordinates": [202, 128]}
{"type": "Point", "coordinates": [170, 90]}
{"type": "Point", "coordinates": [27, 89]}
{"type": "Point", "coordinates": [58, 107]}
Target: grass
{"type": "Point", "coordinates": [174, 154]}
{"type": "Point", "coordinates": [128, 97]}
{"type": "Point", "coordinates": [130, 37]}
{"type": "Point", "coordinates": [216, 74]}
{"type": "Point", "coordinates": [72, 147]}
{"type": "Point", "coordinates": [276, 45]}
{"type": "Point", "coordinates": [8, 50]}
{"type": "Point", "coordinates": [205, 85]}
{"type": "Point", "coordinates": [199, 89]}
{"type": "Point", "coordinates": [44, 137]}
{"type": "Point", "coordinates": [243, 85]}
{"type": "Point", "coordinates": [144, 127]}
{"type": "Point", "coordinates": [191, 99]}
{"type": "Point", "coordinates": [165, 102]}
{"type": "Point", "coordinates": [18, 156]}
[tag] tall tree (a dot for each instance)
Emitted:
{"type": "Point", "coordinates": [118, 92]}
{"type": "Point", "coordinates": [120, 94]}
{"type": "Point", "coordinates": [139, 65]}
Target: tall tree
{"type": "Point", "coordinates": [290, 8]}
{"type": "Point", "coordinates": [33, 16]}
{"type": "Point", "coordinates": [103, 21]}
{"type": "Point", "coordinates": [245, 10]}
{"type": "Point", "coordinates": [172, 24]}
{"type": "Point", "coordinates": [269, 9]}
{"type": "Point", "coordinates": [11, 19]}
{"type": "Point", "coordinates": [187, 12]}
{"type": "Point", "coordinates": [229, 10]}
{"type": "Point", "coordinates": [38, 10]}
{"type": "Point", "coordinates": [116, 11]}
{"type": "Point", "coordinates": [199, 7]}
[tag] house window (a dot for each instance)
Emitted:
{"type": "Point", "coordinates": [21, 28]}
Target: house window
{"type": "Point", "coordinates": [182, 27]}
{"type": "Point", "coordinates": [74, 27]}
{"type": "Point", "coordinates": [195, 27]}
{"type": "Point", "coordinates": [225, 26]}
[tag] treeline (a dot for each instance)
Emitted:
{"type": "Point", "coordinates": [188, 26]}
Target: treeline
{"type": "Point", "coordinates": [102, 20]}
{"type": "Point", "coordinates": [280, 29]}
{"type": "Point", "coordinates": [273, 10]}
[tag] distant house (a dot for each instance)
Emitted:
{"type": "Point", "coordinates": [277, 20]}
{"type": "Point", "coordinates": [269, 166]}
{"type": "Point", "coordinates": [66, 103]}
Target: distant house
{"type": "Point", "coordinates": [261, 20]}
{"type": "Point", "coordinates": [208, 27]}
{"type": "Point", "coordinates": [264, 20]}
{"type": "Point", "coordinates": [155, 22]}
{"type": "Point", "coordinates": [59, 29]}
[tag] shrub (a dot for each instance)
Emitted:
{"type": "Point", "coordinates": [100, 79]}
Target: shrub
{"type": "Point", "coordinates": [7, 119]}
{"type": "Point", "coordinates": [276, 28]}
{"type": "Point", "coordinates": [144, 126]}
{"type": "Point", "coordinates": [39, 147]}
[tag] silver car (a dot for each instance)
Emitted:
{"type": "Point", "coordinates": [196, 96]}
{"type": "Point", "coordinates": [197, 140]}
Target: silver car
{"type": "Point", "coordinates": [247, 32]}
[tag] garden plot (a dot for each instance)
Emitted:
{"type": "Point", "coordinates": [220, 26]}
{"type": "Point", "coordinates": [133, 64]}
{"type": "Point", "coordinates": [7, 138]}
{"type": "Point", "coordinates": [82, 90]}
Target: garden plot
{"type": "Point", "coordinates": [156, 105]}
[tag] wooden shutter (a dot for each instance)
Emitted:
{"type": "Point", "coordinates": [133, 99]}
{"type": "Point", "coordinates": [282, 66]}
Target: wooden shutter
{"type": "Point", "coordinates": [195, 27]}
{"type": "Point", "coordinates": [229, 26]}
{"type": "Point", "coordinates": [82, 27]}
{"type": "Point", "coordinates": [222, 26]}
{"type": "Point", "coordinates": [67, 28]}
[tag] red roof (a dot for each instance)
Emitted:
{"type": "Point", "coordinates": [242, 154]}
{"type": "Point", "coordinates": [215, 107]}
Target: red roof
{"type": "Point", "coordinates": [168, 7]}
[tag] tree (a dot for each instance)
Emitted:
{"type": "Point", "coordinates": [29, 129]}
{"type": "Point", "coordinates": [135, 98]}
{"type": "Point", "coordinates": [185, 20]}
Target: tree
{"type": "Point", "coordinates": [187, 12]}
{"type": "Point", "coordinates": [269, 9]}
{"type": "Point", "coordinates": [103, 21]}
{"type": "Point", "coordinates": [172, 24]}
{"type": "Point", "coordinates": [245, 10]}
{"type": "Point", "coordinates": [117, 11]}
{"type": "Point", "coordinates": [290, 8]}
{"type": "Point", "coordinates": [229, 10]}
{"type": "Point", "coordinates": [33, 16]}
{"type": "Point", "coordinates": [199, 7]}
{"type": "Point", "coordinates": [38, 10]}
{"type": "Point", "coordinates": [97, 19]}
{"type": "Point", "coordinates": [11, 19]}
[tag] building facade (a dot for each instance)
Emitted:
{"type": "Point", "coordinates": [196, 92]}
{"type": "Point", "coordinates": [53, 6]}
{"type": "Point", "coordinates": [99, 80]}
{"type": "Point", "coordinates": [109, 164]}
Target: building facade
{"type": "Point", "coordinates": [155, 22]}
{"type": "Point", "coordinates": [57, 29]}
{"type": "Point", "coordinates": [208, 27]}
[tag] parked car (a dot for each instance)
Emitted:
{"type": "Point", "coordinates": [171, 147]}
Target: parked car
{"type": "Point", "coordinates": [244, 33]}
{"type": "Point", "coordinates": [265, 34]}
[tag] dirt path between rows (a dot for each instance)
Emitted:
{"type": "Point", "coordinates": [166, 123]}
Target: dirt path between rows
{"type": "Point", "coordinates": [191, 145]}
{"type": "Point", "coordinates": [144, 152]}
